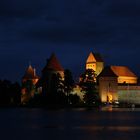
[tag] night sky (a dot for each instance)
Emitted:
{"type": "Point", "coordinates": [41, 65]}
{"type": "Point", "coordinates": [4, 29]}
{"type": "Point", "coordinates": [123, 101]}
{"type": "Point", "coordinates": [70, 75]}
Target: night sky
{"type": "Point", "coordinates": [30, 30]}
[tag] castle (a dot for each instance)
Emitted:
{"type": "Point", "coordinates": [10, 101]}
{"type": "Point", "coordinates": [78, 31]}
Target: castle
{"type": "Point", "coordinates": [115, 83]}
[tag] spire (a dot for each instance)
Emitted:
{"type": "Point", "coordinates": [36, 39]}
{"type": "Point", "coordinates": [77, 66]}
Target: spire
{"type": "Point", "coordinates": [34, 72]}
{"type": "Point", "coordinates": [30, 73]}
{"type": "Point", "coordinates": [91, 58]}
{"type": "Point", "coordinates": [94, 57]}
{"type": "Point", "coordinates": [53, 64]}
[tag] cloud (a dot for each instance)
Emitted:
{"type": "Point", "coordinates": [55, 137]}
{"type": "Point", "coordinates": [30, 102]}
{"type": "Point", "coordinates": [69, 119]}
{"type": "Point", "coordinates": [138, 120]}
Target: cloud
{"type": "Point", "coordinates": [96, 22]}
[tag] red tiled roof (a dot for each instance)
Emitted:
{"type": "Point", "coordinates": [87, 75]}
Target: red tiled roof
{"type": "Point", "coordinates": [92, 57]}
{"type": "Point", "coordinates": [123, 71]}
{"type": "Point", "coordinates": [107, 72]}
{"type": "Point", "coordinates": [53, 64]}
{"type": "Point", "coordinates": [30, 73]}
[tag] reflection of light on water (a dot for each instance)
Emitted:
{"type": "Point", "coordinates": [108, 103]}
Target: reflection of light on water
{"type": "Point", "coordinates": [47, 126]}
{"type": "Point", "coordinates": [124, 128]}
{"type": "Point", "coordinates": [110, 108]}
{"type": "Point", "coordinates": [109, 128]}
{"type": "Point", "coordinates": [90, 128]}
{"type": "Point", "coordinates": [95, 128]}
{"type": "Point", "coordinates": [107, 108]}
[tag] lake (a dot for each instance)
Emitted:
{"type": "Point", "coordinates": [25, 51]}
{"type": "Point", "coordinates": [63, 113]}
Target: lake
{"type": "Point", "coordinates": [70, 124]}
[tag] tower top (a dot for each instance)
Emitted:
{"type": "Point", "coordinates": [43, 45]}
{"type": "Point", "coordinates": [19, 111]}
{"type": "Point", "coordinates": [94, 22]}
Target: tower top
{"type": "Point", "coordinates": [53, 64]}
{"type": "Point", "coordinates": [30, 73]}
{"type": "Point", "coordinates": [91, 58]}
{"type": "Point", "coordinates": [94, 57]}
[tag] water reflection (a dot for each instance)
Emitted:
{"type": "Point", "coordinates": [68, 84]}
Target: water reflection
{"type": "Point", "coordinates": [119, 109]}
{"type": "Point", "coordinates": [107, 108]}
{"type": "Point", "coordinates": [79, 124]}
{"type": "Point", "coordinates": [109, 128]}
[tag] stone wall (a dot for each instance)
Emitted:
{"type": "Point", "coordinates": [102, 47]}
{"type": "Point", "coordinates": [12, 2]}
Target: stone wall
{"type": "Point", "coordinates": [108, 87]}
{"type": "Point", "coordinates": [129, 94]}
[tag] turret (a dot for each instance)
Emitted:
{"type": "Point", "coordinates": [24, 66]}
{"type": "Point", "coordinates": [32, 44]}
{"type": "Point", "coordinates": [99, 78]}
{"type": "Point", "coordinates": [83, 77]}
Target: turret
{"type": "Point", "coordinates": [95, 62]}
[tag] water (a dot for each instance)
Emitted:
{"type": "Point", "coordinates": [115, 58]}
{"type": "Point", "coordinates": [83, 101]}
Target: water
{"type": "Point", "coordinates": [74, 124]}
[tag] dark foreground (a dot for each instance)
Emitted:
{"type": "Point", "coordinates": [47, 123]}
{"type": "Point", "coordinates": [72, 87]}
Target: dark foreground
{"type": "Point", "coordinates": [73, 124]}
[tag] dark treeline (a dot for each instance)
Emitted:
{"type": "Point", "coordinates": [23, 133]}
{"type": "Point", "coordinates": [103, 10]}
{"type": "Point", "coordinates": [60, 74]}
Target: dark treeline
{"type": "Point", "coordinates": [59, 93]}
{"type": "Point", "coordinates": [9, 93]}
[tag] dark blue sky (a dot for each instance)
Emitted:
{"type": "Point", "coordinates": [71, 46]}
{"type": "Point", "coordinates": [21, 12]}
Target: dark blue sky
{"type": "Point", "coordinates": [30, 30]}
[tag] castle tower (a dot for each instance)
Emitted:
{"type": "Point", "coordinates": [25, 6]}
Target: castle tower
{"type": "Point", "coordinates": [29, 81]}
{"type": "Point", "coordinates": [52, 67]}
{"type": "Point", "coordinates": [30, 74]}
{"type": "Point", "coordinates": [95, 62]}
{"type": "Point", "coordinates": [108, 85]}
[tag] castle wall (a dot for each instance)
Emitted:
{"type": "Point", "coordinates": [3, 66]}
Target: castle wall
{"type": "Point", "coordinates": [129, 94]}
{"type": "Point", "coordinates": [126, 79]}
{"type": "Point", "coordinates": [126, 94]}
{"type": "Point", "coordinates": [99, 67]}
{"type": "Point", "coordinates": [108, 89]}
{"type": "Point", "coordinates": [91, 65]}
{"type": "Point", "coordinates": [96, 66]}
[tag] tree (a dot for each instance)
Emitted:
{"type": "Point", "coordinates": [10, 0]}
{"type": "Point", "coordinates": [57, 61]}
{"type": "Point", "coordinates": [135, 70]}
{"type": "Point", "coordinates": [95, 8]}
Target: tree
{"type": "Point", "coordinates": [56, 95]}
{"type": "Point", "coordinates": [5, 87]}
{"type": "Point", "coordinates": [74, 99]}
{"type": "Point", "coordinates": [68, 83]}
{"type": "Point", "coordinates": [56, 84]}
{"type": "Point", "coordinates": [9, 93]}
{"type": "Point", "coordinates": [15, 94]}
{"type": "Point", "coordinates": [88, 84]}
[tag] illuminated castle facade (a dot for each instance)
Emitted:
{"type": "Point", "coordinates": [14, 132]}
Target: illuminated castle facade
{"type": "Point", "coordinates": [95, 62]}
{"type": "Point", "coordinates": [124, 74]}
{"type": "Point", "coordinates": [115, 83]}
{"type": "Point", "coordinates": [32, 84]}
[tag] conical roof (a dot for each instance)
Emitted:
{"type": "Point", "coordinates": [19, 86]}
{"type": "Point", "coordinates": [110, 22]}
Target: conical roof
{"type": "Point", "coordinates": [53, 64]}
{"type": "Point", "coordinates": [107, 72]}
{"type": "Point", "coordinates": [30, 73]}
{"type": "Point", "coordinates": [94, 57]}
{"type": "Point", "coordinates": [91, 58]}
